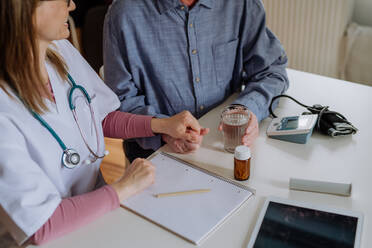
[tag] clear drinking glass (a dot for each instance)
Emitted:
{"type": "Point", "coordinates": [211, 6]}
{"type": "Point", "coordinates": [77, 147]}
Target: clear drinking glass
{"type": "Point", "coordinates": [234, 120]}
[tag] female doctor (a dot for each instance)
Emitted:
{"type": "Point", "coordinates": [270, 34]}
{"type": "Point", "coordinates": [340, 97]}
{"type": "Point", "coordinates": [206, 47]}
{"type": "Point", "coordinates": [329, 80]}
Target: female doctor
{"type": "Point", "coordinates": [54, 113]}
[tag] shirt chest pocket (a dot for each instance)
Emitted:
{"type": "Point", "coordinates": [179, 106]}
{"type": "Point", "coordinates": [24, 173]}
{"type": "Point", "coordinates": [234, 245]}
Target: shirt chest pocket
{"type": "Point", "coordinates": [224, 60]}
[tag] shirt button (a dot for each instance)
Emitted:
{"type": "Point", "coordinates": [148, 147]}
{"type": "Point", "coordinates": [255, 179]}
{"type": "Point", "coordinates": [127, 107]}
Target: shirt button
{"type": "Point", "coordinates": [197, 79]}
{"type": "Point", "coordinates": [201, 107]}
{"type": "Point", "coordinates": [194, 51]}
{"type": "Point", "coordinates": [190, 25]}
{"type": "Point", "coordinates": [182, 7]}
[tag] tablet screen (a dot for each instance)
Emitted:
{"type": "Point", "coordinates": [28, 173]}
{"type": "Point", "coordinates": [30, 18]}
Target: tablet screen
{"type": "Point", "coordinates": [289, 226]}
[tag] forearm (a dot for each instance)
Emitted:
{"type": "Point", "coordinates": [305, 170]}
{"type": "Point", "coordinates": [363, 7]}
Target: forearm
{"type": "Point", "coordinates": [123, 125]}
{"type": "Point", "coordinates": [261, 88]}
{"type": "Point", "coordinates": [75, 212]}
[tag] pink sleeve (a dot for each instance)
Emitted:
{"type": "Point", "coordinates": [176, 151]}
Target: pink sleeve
{"type": "Point", "coordinates": [76, 211]}
{"type": "Point", "coordinates": [123, 125]}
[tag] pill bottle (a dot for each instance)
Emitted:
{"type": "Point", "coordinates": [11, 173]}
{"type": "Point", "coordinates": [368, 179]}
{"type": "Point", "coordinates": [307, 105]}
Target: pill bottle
{"type": "Point", "coordinates": [242, 163]}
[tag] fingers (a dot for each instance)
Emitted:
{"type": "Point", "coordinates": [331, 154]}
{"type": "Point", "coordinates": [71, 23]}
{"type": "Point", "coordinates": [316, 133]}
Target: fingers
{"type": "Point", "coordinates": [191, 122]}
{"type": "Point", "coordinates": [147, 172]}
{"type": "Point", "coordinates": [199, 138]}
{"type": "Point", "coordinates": [182, 126]}
{"type": "Point", "coordinates": [173, 143]}
{"type": "Point", "coordinates": [193, 128]}
{"type": "Point", "coordinates": [248, 140]}
{"type": "Point", "coordinates": [182, 146]}
{"type": "Point", "coordinates": [140, 165]}
{"type": "Point", "coordinates": [139, 175]}
{"type": "Point", "coordinates": [191, 136]}
{"type": "Point", "coordinates": [195, 137]}
{"type": "Point", "coordinates": [252, 124]}
{"type": "Point", "coordinates": [220, 127]}
{"type": "Point", "coordinates": [186, 137]}
{"type": "Point", "coordinates": [252, 131]}
{"type": "Point", "coordinates": [191, 147]}
{"type": "Point", "coordinates": [178, 146]}
{"type": "Point", "coordinates": [204, 131]}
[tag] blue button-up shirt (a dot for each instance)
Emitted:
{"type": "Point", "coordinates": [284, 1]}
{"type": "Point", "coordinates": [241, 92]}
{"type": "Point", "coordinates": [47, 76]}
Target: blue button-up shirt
{"type": "Point", "coordinates": [161, 57]}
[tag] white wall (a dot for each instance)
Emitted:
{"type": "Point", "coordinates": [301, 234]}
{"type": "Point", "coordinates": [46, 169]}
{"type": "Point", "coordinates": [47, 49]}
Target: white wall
{"type": "Point", "coordinates": [311, 32]}
{"type": "Point", "coordinates": [363, 12]}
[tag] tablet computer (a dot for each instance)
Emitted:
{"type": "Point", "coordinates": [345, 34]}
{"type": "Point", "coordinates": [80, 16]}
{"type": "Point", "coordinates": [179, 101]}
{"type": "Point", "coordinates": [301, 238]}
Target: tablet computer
{"type": "Point", "coordinates": [286, 223]}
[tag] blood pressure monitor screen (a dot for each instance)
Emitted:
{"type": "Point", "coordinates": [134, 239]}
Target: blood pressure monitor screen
{"type": "Point", "coordinates": [291, 124]}
{"type": "Point", "coordinates": [289, 226]}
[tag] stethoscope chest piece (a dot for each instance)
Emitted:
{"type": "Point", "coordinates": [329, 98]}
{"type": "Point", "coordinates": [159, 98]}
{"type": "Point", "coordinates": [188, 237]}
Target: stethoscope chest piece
{"type": "Point", "coordinates": [70, 158]}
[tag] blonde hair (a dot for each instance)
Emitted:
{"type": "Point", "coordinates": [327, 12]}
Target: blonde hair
{"type": "Point", "coordinates": [19, 58]}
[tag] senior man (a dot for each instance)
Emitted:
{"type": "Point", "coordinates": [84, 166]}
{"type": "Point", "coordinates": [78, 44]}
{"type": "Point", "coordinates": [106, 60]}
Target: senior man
{"type": "Point", "coordinates": [165, 56]}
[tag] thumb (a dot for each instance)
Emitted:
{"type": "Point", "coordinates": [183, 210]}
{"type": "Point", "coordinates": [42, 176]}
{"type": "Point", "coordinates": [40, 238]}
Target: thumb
{"type": "Point", "coordinates": [193, 125]}
{"type": "Point", "coordinates": [204, 131]}
{"type": "Point", "coordinates": [220, 127]}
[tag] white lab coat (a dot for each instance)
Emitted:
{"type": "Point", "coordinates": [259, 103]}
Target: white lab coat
{"type": "Point", "coordinates": [32, 179]}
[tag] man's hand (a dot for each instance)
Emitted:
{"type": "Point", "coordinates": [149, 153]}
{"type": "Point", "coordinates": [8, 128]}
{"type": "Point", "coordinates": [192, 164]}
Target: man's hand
{"type": "Point", "coordinates": [251, 133]}
{"type": "Point", "coordinates": [185, 146]}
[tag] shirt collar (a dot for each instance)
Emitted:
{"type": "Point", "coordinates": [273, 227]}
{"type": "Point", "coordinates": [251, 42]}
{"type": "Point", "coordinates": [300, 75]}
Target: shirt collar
{"type": "Point", "coordinates": [165, 5]}
{"type": "Point", "coordinates": [207, 3]}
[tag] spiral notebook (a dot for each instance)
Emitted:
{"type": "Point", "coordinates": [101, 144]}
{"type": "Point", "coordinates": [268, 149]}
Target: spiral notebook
{"type": "Point", "coordinates": [192, 216]}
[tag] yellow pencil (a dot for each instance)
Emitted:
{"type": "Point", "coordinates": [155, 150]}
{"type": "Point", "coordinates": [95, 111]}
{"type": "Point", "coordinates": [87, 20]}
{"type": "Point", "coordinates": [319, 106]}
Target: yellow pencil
{"type": "Point", "coordinates": [182, 193]}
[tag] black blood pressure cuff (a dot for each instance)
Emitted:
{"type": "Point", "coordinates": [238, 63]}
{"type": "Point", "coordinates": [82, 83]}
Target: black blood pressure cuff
{"type": "Point", "coordinates": [329, 122]}
{"type": "Point", "coordinates": [334, 125]}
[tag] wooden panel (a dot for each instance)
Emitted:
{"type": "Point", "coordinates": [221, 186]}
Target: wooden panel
{"type": "Point", "coordinates": [113, 165]}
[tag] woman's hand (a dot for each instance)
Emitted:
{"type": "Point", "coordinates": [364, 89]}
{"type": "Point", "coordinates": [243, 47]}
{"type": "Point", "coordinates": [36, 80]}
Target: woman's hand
{"type": "Point", "coordinates": [139, 175]}
{"type": "Point", "coordinates": [180, 126]}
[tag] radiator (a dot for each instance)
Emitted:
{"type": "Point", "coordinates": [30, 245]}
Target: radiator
{"type": "Point", "coordinates": [311, 31]}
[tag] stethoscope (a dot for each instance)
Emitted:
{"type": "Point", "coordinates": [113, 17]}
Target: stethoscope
{"type": "Point", "coordinates": [70, 157]}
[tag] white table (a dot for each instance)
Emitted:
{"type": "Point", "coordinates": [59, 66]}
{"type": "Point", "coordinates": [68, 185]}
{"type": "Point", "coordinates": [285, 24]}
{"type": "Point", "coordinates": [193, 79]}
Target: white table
{"type": "Point", "coordinates": [341, 159]}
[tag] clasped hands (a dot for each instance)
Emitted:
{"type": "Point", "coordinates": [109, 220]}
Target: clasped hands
{"type": "Point", "coordinates": [183, 133]}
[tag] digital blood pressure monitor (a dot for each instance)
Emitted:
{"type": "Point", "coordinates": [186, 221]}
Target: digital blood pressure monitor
{"type": "Point", "coordinates": [295, 129]}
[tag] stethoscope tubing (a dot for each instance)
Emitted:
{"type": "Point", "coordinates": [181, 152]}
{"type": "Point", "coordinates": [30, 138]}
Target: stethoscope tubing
{"type": "Point", "coordinates": [50, 129]}
{"type": "Point", "coordinates": [68, 151]}
{"type": "Point", "coordinates": [95, 129]}
{"type": "Point", "coordinates": [73, 88]}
